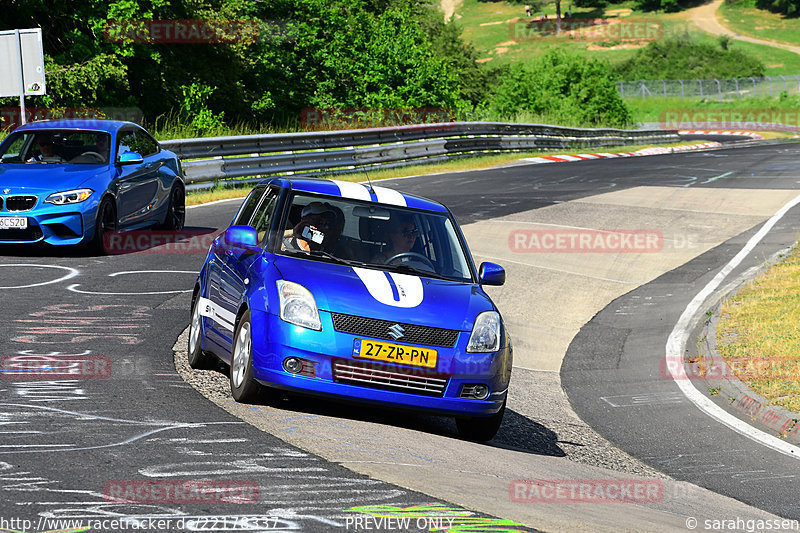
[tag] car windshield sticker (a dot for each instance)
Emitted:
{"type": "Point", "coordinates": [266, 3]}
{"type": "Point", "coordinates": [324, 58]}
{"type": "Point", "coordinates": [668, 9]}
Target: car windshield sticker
{"type": "Point", "coordinates": [402, 291]}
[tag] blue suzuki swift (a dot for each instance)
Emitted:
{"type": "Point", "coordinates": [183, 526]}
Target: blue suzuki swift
{"type": "Point", "coordinates": [357, 293]}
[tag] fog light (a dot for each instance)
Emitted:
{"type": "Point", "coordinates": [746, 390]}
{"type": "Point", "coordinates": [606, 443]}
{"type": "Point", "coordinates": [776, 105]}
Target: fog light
{"type": "Point", "coordinates": [477, 391]}
{"type": "Point", "coordinates": [293, 365]}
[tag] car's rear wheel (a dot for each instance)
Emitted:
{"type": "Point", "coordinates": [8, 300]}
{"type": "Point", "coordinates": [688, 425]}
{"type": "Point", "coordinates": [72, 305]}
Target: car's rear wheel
{"type": "Point", "coordinates": [176, 210]}
{"type": "Point", "coordinates": [243, 387]}
{"type": "Point", "coordinates": [105, 222]}
{"type": "Point", "coordinates": [481, 429]}
{"type": "Point", "coordinates": [197, 357]}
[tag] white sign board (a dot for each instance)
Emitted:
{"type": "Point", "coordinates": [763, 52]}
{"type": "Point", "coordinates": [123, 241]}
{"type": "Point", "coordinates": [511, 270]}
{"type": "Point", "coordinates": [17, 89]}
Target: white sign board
{"type": "Point", "coordinates": [24, 73]}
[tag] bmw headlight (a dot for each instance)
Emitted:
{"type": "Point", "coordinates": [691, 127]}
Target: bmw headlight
{"type": "Point", "coordinates": [485, 335]}
{"type": "Point", "coordinates": [69, 197]}
{"type": "Point", "coordinates": [298, 305]}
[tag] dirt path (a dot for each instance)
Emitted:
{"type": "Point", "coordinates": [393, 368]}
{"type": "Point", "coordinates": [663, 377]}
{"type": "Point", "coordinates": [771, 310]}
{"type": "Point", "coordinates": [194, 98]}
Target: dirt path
{"type": "Point", "coordinates": [705, 17]}
{"type": "Point", "coordinates": [449, 7]}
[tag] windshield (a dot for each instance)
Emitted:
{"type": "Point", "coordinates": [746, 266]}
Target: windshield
{"type": "Point", "coordinates": [41, 147]}
{"type": "Point", "coordinates": [397, 239]}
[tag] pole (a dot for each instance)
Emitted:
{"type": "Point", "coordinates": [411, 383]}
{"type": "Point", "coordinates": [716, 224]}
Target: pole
{"type": "Point", "coordinates": [21, 80]}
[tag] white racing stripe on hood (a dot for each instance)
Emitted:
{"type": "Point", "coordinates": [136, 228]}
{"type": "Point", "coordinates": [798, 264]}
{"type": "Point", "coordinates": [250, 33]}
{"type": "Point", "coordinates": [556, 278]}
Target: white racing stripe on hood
{"type": "Point", "coordinates": [354, 191]}
{"type": "Point", "coordinates": [409, 288]}
{"type": "Point", "coordinates": [389, 196]}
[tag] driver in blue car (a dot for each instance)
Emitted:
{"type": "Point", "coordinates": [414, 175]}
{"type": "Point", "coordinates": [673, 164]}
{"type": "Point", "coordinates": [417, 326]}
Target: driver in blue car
{"type": "Point", "coordinates": [315, 230]}
{"type": "Point", "coordinates": [402, 235]}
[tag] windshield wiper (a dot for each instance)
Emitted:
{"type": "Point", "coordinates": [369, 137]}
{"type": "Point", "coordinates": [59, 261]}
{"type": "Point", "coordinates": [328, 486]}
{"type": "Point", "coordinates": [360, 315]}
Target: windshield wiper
{"type": "Point", "coordinates": [328, 255]}
{"type": "Point", "coordinates": [405, 269]}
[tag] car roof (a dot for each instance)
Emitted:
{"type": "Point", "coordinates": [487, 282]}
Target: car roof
{"type": "Point", "coordinates": [93, 124]}
{"type": "Point", "coordinates": [357, 191]}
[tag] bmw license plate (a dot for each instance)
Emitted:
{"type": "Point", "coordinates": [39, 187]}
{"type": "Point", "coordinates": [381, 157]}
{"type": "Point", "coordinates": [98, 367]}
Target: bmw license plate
{"type": "Point", "coordinates": [394, 353]}
{"type": "Point", "coordinates": [13, 222]}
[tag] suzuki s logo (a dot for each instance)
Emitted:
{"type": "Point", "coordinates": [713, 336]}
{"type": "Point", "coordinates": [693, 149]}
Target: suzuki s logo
{"type": "Point", "coordinates": [6, 191]}
{"type": "Point", "coordinates": [396, 331]}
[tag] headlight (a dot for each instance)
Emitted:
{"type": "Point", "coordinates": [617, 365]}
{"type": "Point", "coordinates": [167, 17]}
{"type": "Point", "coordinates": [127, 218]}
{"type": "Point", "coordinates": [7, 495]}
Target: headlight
{"type": "Point", "coordinates": [485, 335]}
{"type": "Point", "coordinates": [69, 197]}
{"type": "Point", "coordinates": [298, 305]}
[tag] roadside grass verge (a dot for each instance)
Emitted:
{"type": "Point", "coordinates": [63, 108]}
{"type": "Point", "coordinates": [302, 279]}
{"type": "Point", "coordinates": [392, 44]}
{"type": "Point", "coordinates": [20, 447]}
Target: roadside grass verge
{"type": "Point", "coordinates": [655, 109]}
{"type": "Point", "coordinates": [745, 18]}
{"type": "Point", "coordinates": [459, 165]}
{"type": "Point", "coordinates": [760, 324]}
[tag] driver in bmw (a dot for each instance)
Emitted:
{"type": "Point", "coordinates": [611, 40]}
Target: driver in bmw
{"type": "Point", "coordinates": [316, 229]}
{"type": "Point", "coordinates": [402, 235]}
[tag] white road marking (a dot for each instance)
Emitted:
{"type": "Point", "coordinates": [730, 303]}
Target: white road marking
{"type": "Point", "coordinates": [680, 334]}
{"type": "Point", "coordinates": [72, 273]}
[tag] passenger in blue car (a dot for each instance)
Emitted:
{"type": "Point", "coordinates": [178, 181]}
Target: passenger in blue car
{"type": "Point", "coordinates": [44, 142]}
{"type": "Point", "coordinates": [402, 235]}
{"type": "Point", "coordinates": [316, 230]}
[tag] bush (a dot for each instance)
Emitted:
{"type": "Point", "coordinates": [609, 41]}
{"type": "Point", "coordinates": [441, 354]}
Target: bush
{"type": "Point", "coordinates": [561, 88]}
{"type": "Point", "coordinates": [682, 58]}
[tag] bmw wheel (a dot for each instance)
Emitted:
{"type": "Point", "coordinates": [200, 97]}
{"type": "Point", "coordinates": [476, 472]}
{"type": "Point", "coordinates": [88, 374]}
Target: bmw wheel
{"type": "Point", "coordinates": [243, 387]}
{"type": "Point", "coordinates": [105, 222]}
{"type": "Point", "coordinates": [176, 210]}
{"type": "Point", "coordinates": [481, 429]}
{"type": "Point", "coordinates": [197, 357]}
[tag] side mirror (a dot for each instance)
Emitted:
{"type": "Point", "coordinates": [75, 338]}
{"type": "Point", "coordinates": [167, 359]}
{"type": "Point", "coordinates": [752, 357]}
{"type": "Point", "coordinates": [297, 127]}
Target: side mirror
{"type": "Point", "coordinates": [241, 236]}
{"type": "Point", "coordinates": [491, 274]}
{"type": "Point", "coordinates": [131, 158]}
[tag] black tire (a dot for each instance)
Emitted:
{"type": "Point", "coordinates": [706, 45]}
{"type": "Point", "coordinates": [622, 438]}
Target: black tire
{"type": "Point", "coordinates": [176, 210]}
{"type": "Point", "coordinates": [481, 429]}
{"type": "Point", "coordinates": [198, 359]}
{"type": "Point", "coordinates": [243, 387]}
{"type": "Point", "coordinates": [105, 222]}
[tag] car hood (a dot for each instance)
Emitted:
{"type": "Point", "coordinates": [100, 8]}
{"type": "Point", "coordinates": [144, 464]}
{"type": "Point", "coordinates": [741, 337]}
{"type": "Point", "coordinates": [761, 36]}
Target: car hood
{"type": "Point", "coordinates": [387, 295]}
{"type": "Point", "coordinates": [45, 178]}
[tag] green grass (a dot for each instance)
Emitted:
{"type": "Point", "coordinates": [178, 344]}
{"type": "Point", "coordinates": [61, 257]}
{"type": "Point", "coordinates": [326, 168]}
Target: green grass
{"type": "Point", "coordinates": [479, 23]}
{"type": "Point", "coordinates": [743, 17]}
{"type": "Point", "coordinates": [654, 109]}
{"type": "Point", "coordinates": [759, 333]}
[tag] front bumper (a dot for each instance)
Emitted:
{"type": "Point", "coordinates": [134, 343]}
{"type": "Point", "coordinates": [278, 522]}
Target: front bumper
{"type": "Point", "coordinates": [51, 224]}
{"type": "Point", "coordinates": [274, 340]}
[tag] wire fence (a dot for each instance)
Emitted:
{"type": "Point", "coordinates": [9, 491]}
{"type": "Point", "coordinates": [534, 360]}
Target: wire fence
{"type": "Point", "coordinates": [714, 89]}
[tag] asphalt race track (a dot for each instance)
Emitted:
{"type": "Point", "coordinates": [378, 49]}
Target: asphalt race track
{"type": "Point", "coordinates": [68, 444]}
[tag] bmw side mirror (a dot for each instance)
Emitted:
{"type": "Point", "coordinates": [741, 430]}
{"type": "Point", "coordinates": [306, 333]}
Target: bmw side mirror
{"type": "Point", "coordinates": [491, 274]}
{"type": "Point", "coordinates": [131, 158]}
{"type": "Point", "coordinates": [241, 236]}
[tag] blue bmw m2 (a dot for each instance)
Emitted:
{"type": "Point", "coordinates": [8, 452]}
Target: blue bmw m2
{"type": "Point", "coordinates": [72, 181]}
{"type": "Point", "coordinates": [353, 292]}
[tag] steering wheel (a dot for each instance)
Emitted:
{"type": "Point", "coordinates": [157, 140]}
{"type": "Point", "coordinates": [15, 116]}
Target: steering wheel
{"type": "Point", "coordinates": [98, 156]}
{"type": "Point", "coordinates": [413, 255]}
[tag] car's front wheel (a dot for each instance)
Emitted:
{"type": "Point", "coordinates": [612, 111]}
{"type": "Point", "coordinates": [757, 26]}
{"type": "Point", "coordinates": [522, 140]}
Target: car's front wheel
{"type": "Point", "coordinates": [481, 429]}
{"type": "Point", "coordinates": [243, 387]}
{"type": "Point", "coordinates": [105, 222]}
{"type": "Point", "coordinates": [197, 357]}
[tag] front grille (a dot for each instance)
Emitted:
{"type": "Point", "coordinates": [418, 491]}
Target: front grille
{"type": "Point", "coordinates": [379, 329]}
{"type": "Point", "coordinates": [31, 234]}
{"type": "Point", "coordinates": [377, 376]}
{"type": "Point", "coordinates": [20, 203]}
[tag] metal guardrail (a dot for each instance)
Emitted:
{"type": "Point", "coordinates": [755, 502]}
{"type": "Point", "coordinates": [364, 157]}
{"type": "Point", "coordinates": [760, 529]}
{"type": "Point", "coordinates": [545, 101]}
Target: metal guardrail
{"type": "Point", "coordinates": [211, 160]}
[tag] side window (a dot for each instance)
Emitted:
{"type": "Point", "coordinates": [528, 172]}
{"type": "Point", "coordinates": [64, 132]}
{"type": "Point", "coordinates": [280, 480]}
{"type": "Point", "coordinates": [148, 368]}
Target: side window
{"type": "Point", "coordinates": [147, 145]}
{"type": "Point", "coordinates": [249, 206]}
{"type": "Point", "coordinates": [264, 216]}
{"type": "Point", "coordinates": [126, 142]}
